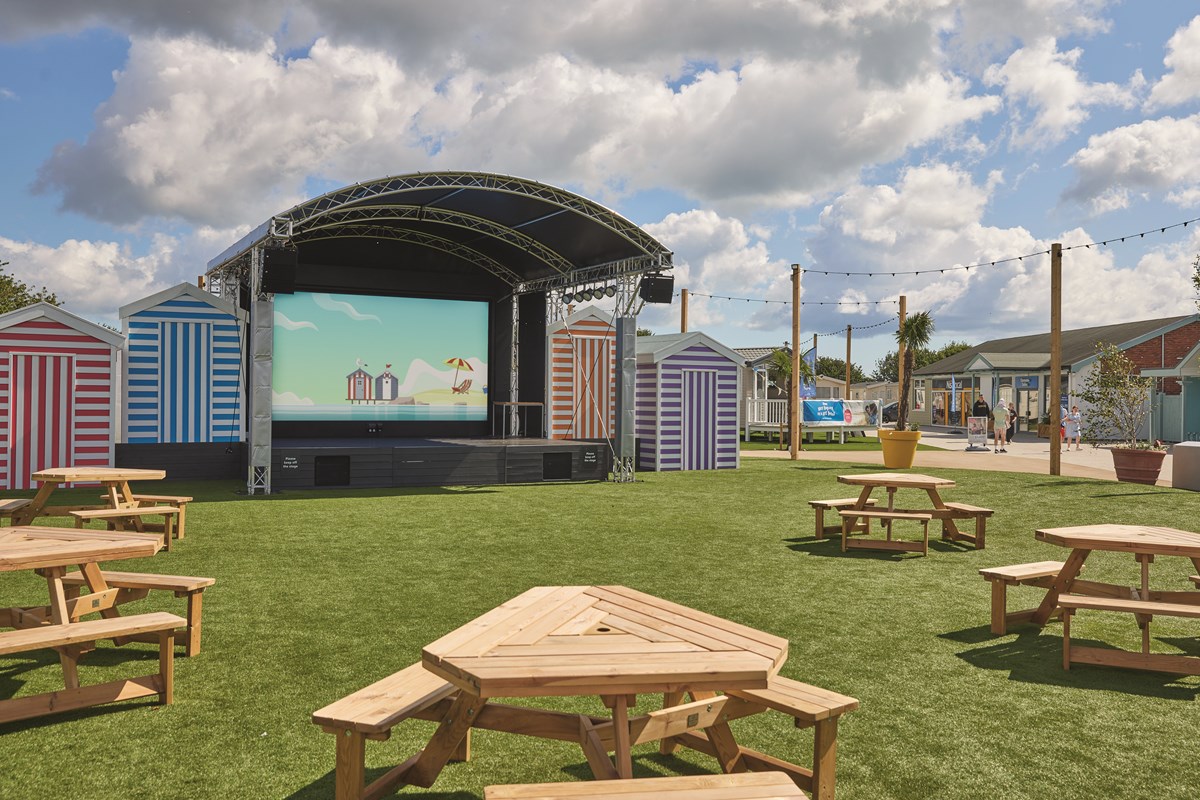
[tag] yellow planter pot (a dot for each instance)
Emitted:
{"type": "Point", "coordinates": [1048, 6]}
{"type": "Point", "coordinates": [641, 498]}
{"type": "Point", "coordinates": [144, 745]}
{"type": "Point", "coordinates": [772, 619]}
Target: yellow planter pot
{"type": "Point", "coordinates": [899, 447]}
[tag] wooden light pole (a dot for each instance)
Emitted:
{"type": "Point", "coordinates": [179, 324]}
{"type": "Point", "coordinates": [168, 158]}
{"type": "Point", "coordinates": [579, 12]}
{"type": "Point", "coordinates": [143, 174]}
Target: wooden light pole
{"type": "Point", "coordinates": [900, 354]}
{"type": "Point", "coordinates": [848, 362]}
{"type": "Point", "coordinates": [683, 297]}
{"type": "Point", "coordinates": [1055, 358]}
{"type": "Point", "coordinates": [794, 387]}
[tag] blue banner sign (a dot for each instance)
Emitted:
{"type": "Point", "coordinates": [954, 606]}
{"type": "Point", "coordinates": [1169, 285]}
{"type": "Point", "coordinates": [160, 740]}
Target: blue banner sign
{"type": "Point", "coordinates": [808, 388]}
{"type": "Point", "coordinates": [824, 412]}
{"type": "Point", "coordinates": [1026, 382]}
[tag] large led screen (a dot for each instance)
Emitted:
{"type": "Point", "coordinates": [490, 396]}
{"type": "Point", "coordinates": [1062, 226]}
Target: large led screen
{"type": "Point", "coordinates": [341, 357]}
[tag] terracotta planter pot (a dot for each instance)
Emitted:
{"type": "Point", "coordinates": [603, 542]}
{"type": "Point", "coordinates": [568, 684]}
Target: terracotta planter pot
{"type": "Point", "coordinates": [899, 447]}
{"type": "Point", "coordinates": [1137, 466]}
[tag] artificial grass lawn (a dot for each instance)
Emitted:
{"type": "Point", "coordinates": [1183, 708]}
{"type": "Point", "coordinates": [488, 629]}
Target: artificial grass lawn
{"type": "Point", "coordinates": [321, 593]}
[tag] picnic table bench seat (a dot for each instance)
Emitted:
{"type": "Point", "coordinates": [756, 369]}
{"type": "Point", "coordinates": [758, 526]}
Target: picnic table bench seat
{"type": "Point", "coordinates": [178, 501]}
{"type": "Point", "coordinates": [821, 506]}
{"type": "Point", "coordinates": [1036, 573]}
{"type": "Point", "coordinates": [74, 634]}
{"type": "Point", "coordinates": [120, 518]}
{"type": "Point", "coordinates": [1194, 579]}
{"type": "Point", "coordinates": [977, 513]}
{"type": "Point", "coordinates": [888, 517]}
{"type": "Point", "coordinates": [136, 585]}
{"type": "Point", "coordinates": [10, 507]}
{"type": "Point", "coordinates": [809, 706]}
{"type": "Point", "coordinates": [735, 786]}
{"type": "Point", "coordinates": [1144, 611]}
{"type": "Point", "coordinates": [371, 713]}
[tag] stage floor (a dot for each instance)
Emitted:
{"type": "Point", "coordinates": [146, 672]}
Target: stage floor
{"type": "Point", "coordinates": [386, 462]}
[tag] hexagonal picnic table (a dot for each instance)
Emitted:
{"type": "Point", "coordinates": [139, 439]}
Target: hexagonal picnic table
{"type": "Point", "coordinates": [597, 640]}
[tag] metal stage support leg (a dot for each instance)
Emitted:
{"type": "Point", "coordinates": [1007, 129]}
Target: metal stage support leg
{"type": "Point", "coordinates": [511, 421]}
{"type": "Point", "coordinates": [262, 343]}
{"type": "Point", "coordinates": [626, 443]}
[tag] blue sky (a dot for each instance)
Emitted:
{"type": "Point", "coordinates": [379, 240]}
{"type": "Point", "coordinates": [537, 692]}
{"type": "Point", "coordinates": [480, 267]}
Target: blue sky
{"type": "Point", "coordinates": [140, 141]}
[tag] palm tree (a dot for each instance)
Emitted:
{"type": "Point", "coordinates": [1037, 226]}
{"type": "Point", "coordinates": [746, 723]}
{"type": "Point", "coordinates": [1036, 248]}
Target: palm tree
{"type": "Point", "coordinates": [780, 371]}
{"type": "Point", "coordinates": [913, 333]}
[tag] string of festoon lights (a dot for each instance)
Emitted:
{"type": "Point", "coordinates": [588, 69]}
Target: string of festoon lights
{"type": "Point", "coordinates": [1007, 260]}
{"type": "Point", "coordinates": [789, 302]}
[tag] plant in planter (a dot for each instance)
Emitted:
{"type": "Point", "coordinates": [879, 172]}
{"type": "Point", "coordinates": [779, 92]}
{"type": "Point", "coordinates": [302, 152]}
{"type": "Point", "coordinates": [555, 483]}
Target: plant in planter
{"type": "Point", "coordinates": [900, 445]}
{"type": "Point", "coordinates": [1117, 396]}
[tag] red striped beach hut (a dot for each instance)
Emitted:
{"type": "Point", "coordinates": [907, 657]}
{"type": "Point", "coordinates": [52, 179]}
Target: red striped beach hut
{"type": "Point", "coordinates": [687, 403]}
{"type": "Point", "coordinates": [57, 378]}
{"type": "Point", "coordinates": [581, 376]}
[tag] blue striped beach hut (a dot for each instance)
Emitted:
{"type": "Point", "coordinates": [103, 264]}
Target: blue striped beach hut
{"type": "Point", "coordinates": [183, 368]}
{"type": "Point", "coordinates": [687, 409]}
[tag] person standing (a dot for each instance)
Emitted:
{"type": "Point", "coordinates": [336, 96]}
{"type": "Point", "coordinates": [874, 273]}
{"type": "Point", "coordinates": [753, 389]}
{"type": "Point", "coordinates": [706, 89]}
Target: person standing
{"type": "Point", "coordinates": [1012, 421]}
{"type": "Point", "coordinates": [1072, 423]}
{"type": "Point", "coordinates": [1000, 426]}
{"type": "Point", "coordinates": [980, 409]}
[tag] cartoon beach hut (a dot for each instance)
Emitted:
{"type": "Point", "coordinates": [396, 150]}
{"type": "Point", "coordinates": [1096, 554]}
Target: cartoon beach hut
{"type": "Point", "coordinates": [360, 385]}
{"type": "Point", "coordinates": [387, 388]}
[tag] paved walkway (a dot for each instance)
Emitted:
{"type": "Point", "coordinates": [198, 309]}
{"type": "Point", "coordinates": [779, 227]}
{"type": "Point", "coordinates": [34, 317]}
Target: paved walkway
{"type": "Point", "coordinates": [1026, 454]}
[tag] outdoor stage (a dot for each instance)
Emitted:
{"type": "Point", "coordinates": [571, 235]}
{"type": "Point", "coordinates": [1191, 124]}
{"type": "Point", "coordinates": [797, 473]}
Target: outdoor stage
{"type": "Point", "coordinates": [380, 462]}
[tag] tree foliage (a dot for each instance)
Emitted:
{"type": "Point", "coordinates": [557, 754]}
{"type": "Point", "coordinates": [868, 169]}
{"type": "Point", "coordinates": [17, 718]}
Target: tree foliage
{"type": "Point", "coordinates": [836, 368]}
{"type": "Point", "coordinates": [885, 368]}
{"type": "Point", "coordinates": [15, 293]}
{"type": "Point", "coordinates": [1117, 394]}
{"type": "Point", "coordinates": [914, 334]}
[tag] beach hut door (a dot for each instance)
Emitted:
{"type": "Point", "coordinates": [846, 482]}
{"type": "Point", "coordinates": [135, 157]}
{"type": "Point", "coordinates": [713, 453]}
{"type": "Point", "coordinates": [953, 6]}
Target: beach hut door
{"type": "Point", "coordinates": [699, 419]}
{"type": "Point", "coordinates": [41, 419]}
{"type": "Point", "coordinates": [185, 405]}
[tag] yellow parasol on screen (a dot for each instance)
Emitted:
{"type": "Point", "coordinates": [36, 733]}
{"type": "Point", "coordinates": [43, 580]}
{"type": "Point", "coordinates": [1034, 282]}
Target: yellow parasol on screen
{"type": "Point", "coordinates": [458, 363]}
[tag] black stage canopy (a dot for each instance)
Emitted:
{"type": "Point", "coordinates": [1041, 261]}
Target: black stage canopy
{"type": "Point", "coordinates": [530, 236]}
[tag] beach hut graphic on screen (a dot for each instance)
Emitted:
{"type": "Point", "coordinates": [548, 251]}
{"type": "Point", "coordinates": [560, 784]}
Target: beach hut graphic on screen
{"type": "Point", "coordinates": [360, 386]}
{"type": "Point", "coordinates": [387, 388]}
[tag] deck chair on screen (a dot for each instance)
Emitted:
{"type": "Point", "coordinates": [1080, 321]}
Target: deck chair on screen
{"type": "Point", "coordinates": [462, 388]}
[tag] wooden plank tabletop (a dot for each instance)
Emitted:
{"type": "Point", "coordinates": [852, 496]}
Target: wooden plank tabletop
{"type": "Point", "coordinates": [98, 474]}
{"type": "Point", "coordinates": [609, 640]}
{"type": "Point", "coordinates": [899, 480]}
{"type": "Point", "coordinates": [34, 547]}
{"type": "Point", "coordinates": [1125, 538]}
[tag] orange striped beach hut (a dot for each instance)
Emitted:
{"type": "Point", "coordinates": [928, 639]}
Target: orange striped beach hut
{"type": "Point", "coordinates": [581, 375]}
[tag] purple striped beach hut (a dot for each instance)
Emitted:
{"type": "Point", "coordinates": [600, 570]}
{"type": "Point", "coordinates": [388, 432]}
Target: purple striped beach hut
{"type": "Point", "coordinates": [688, 415]}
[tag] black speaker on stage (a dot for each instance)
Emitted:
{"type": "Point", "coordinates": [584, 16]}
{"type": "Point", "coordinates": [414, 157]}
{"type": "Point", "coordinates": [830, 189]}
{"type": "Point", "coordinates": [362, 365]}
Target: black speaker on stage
{"type": "Point", "coordinates": [279, 271]}
{"type": "Point", "coordinates": [657, 288]}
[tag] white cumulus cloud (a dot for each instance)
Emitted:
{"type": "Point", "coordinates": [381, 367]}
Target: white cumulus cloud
{"type": "Point", "coordinates": [1181, 83]}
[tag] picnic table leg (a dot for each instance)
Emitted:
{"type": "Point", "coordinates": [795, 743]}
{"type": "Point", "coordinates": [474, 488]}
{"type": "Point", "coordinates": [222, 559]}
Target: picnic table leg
{"type": "Point", "coordinates": [431, 760]}
{"type": "Point", "coordinates": [824, 770]}
{"type": "Point", "coordinates": [670, 699]}
{"type": "Point", "coordinates": [26, 515]}
{"type": "Point", "coordinates": [622, 755]}
{"type": "Point", "coordinates": [595, 752]}
{"type": "Point", "coordinates": [949, 529]}
{"type": "Point", "coordinates": [350, 766]}
{"type": "Point", "coordinates": [728, 753]}
{"type": "Point", "coordinates": [58, 613]}
{"type": "Point", "coordinates": [1066, 577]}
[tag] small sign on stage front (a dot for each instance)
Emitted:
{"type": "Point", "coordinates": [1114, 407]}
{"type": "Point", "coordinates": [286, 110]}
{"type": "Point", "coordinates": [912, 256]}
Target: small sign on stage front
{"type": "Point", "coordinates": [290, 462]}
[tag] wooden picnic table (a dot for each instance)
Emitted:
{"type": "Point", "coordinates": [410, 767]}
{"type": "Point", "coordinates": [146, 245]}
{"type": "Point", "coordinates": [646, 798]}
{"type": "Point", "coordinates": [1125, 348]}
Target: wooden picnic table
{"type": "Point", "coordinates": [1143, 542]}
{"type": "Point", "coordinates": [51, 551]}
{"type": "Point", "coordinates": [1070, 594]}
{"type": "Point", "coordinates": [596, 640]}
{"type": "Point", "coordinates": [114, 479]}
{"type": "Point", "coordinates": [609, 641]}
{"type": "Point", "coordinates": [893, 482]}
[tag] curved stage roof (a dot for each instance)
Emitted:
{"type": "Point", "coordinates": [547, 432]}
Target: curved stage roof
{"type": "Point", "coordinates": [531, 236]}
